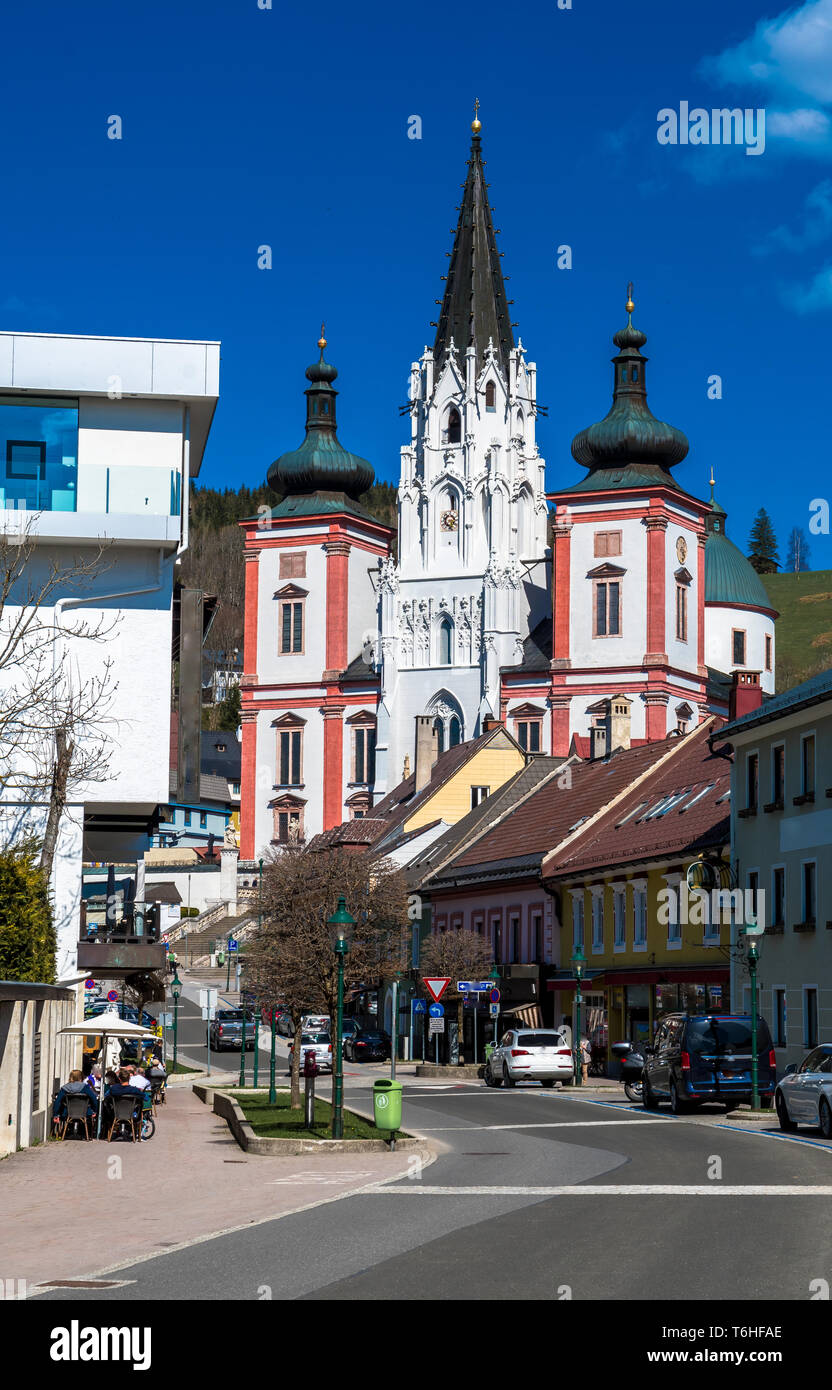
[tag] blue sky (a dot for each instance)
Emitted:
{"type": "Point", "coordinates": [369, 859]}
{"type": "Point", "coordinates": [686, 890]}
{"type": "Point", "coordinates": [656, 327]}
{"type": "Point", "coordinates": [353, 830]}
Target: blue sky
{"type": "Point", "coordinates": [288, 127]}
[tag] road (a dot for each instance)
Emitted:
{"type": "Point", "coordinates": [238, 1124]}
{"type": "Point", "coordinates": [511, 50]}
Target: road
{"type": "Point", "coordinates": [537, 1195]}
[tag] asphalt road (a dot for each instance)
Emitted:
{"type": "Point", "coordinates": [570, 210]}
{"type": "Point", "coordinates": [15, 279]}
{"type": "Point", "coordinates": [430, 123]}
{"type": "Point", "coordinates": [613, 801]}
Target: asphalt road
{"type": "Point", "coordinates": [537, 1195]}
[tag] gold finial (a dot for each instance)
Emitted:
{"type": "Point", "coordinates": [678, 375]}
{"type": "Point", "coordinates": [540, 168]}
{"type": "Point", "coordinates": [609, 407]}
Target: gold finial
{"type": "Point", "coordinates": [630, 306]}
{"type": "Point", "coordinates": [322, 339]}
{"type": "Point", "coordinates": [476, 124]}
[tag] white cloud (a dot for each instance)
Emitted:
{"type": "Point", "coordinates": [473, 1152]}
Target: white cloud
{"type": "Point", "coordinates": [810, 298]}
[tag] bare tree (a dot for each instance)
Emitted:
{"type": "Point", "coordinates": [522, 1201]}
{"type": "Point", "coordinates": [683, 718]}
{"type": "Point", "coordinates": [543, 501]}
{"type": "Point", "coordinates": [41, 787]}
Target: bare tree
{"type": "Point", "coordinates": [456, 955]}
{"type": "Point", "coordinates": [291, 960]}
{"type": "Point", "coordinates": [53, 720]}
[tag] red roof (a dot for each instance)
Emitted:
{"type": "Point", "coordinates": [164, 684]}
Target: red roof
{"type": "Point", "coordinates": [696, 819]}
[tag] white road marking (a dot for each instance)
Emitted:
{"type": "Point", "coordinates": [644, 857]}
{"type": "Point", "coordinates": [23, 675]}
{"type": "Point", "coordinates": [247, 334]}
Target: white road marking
{"type": "Point", "coordinates": [714, 1189]}
{"type": "Point", "coordinates": [541, 1124]}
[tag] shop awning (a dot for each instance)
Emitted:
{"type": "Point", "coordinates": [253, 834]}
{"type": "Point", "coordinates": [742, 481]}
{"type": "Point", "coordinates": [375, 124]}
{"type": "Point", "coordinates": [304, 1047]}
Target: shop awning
{"type": "Point", "coordinates": [654, 975]}
{"type": "Point", "coordinates": [528, 1017]}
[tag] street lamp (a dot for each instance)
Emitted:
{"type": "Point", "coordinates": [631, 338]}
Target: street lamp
{"type": "Point", "coordinates": [176, 987]}
{"type": "Point", "coordinates": [578, 962]}
{"type": "Point", "coordinates": [340, 924]}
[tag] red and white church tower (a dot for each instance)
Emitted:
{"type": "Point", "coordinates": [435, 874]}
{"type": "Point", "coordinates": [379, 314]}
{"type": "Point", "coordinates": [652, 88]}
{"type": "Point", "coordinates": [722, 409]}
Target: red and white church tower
{"type": "Point", "coordinates": [628, 572]}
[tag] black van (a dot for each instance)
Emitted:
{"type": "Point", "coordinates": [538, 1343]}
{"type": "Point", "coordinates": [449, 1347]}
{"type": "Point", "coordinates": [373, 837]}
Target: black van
{"type": "Point", "coordinates": [702, 1057]}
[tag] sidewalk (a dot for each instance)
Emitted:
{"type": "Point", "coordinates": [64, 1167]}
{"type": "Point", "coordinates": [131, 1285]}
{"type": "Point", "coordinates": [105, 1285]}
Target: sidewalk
{"type": "Point", "coordinates": [74, 1209]}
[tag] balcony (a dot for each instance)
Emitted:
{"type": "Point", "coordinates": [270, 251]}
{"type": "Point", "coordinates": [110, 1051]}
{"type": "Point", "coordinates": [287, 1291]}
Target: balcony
{"type": "Point", "coordinates": [131, 944]}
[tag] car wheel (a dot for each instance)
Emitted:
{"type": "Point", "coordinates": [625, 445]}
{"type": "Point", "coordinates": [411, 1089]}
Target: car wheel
{"type": "Point", "coordinates": [786, 1124]}
{"type": "Point", "coordinates": [508, 1081]}
{"type": "Point", "coordinates": [648, 1100]}
{"type": "Point", "coordinates": [677, 1105]}
{"type": "Point", "coordinates": [568, 1081]}
{"type": "Point", "coordinates": [825, 1119]}
{"type": "Point", "coordinates": [547, 1085]}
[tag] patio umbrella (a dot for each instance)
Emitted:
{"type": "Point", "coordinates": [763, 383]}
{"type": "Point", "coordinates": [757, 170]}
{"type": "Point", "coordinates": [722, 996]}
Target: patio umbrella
{"type": "Point", "coordinates": [106, 1025]}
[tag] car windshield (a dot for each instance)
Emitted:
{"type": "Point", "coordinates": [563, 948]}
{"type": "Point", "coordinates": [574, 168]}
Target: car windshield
{"type": "Point", "coordinates": [539, 1040]}
{"type": "Point", "coordinates": [725, 1035]}
{"type": "Point", "coordinates": [371, 1037]}
{"type": "Point", "coordinates": [233, 1016]}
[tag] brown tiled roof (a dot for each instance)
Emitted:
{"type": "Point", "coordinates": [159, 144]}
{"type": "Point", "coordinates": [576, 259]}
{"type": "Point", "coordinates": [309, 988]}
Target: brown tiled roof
{"type": "Point", "coordinates": [550, 814]}
{"type": "Point", "coordinates": [363, 831]}
{"type": "Point", "coordinates": [693, 824]}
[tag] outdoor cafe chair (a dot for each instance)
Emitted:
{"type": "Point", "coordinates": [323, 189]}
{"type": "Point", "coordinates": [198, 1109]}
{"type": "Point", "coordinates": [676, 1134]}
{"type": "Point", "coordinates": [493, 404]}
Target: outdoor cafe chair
{"type": "Point", "coordinates": [76, 1113]}
{"type": "Point", "coordinates": [125, 1113]}
{"type": "Point", "coordinates": [157, 1091]}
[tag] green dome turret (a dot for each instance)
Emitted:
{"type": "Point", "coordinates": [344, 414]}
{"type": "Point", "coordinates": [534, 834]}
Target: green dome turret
{"type": "Point", "coordinates": [321, 468]}
{"type": "Point", "coordinates": [629, 446]}
{"type": "Point", "coordinates": [730, 578]}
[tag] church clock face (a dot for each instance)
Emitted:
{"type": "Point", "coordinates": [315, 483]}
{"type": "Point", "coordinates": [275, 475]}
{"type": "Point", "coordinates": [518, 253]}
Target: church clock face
{"type": "Point", "coordinates": [448, 521]}
{"type": "Point", "coordinates": [681, 549]}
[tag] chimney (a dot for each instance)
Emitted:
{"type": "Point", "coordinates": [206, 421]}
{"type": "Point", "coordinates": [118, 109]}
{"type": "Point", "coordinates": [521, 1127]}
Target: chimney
{"type": "Point", "coordinates": [598, 741]}
{"type": "Point", "coordinates": [425, 750]}
{"type": "Point", "coordinates": [619, 721]}
{"type": "Point", "coordinates": [746, 694]}
{"type": "Point", "coordinates": [490, 723]}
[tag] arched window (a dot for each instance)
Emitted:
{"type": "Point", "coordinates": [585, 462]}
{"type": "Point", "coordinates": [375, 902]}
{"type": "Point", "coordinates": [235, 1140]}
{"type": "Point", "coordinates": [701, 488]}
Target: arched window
{"type": "Point", "coordinates": [446, 714]}
{"type": "Point", "coordinates": [490, 396]}
{"type": "Point", "coordinates": [445, 644]}
{"type": "Point", "coordinates": [440, 735]}
{"type": "Point", "coordinates": [454, 426]}
{"type": "Point", "coordinates": [455, 733]}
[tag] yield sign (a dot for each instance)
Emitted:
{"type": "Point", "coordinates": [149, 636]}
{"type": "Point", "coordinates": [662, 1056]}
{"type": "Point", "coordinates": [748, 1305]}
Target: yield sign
{"type": "Point", "coordinates": [436, 985]}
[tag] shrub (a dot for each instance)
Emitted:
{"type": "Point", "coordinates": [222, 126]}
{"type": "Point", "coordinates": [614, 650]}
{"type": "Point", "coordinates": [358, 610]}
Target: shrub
{"type": "Point", "coordinates": [27, 935]}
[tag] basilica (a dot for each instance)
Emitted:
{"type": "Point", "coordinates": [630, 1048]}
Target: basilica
{"type": "Point", "coordinates": [609, 611]}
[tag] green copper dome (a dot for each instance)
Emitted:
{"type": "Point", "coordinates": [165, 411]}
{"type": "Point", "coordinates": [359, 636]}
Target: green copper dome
{"type": "Point", "coordinates": [729, 577]}
{"type": "Point", "coordinates": [629, 447]}
{"type": "Point", "coordinates": [321, 469]}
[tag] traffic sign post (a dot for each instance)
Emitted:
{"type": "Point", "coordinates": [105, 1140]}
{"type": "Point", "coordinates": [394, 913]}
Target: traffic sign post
{"type": "Point", "coordinates": [208, 1004]}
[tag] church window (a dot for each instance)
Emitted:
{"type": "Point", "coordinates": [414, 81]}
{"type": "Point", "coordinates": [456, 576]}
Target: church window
{"type": "Point", "coordinates": [324, 407]}
{"type": "Point", "coordinates": [634, 374]}
{"type": "Point", "coordinates": [738, 646]}
{"type": "Point", "coordinates": [490, 396]}
{"type": "Point", "coordinates": [446, 634]}
{"type": "Point", "coordinates": [364, 754]}
{"type": "Point", "coordinates": [314, 407]}
{"type": "Point", "coordinates": [768, 652]}
{"type": "Point", "coordinates": [440, 735]}
{"type": "Point", "coordinates": [291, 626]}
{"type": "Point", "coordinates": [455, 732]}
{"type": "Point", "coordinates": [528, 734]}
{"type": "Point", "coordinates": [607, 543]}
{"type": "Point", "coordinates": [290, 757]}
{"type": "Point", "coordinates": [681, 613]}
{"type": "Point", "coordinates": [607, 608]}
{"type": "Point", "coordinates": [453, 433]}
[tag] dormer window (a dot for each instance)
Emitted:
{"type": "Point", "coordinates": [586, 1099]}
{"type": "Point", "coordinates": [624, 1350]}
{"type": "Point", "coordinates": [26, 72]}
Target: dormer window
{"type": "Point", "coordinates": [490, 396]}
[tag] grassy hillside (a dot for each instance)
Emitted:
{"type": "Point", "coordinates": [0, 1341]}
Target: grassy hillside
{"type": "Point", "coordinates": [803, 636]}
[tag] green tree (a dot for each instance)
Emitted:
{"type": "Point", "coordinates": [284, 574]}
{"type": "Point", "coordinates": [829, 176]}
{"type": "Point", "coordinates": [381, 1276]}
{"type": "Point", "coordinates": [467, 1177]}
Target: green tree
{"type": "Point", "coordinates": [762, 544]}
{"type": "Point", "coordinates": [229, 710]}
{"type": "Point", "coordinates": [27, 935]}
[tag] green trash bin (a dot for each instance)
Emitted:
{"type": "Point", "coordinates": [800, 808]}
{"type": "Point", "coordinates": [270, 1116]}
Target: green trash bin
{"type": "Point", "coordinates": [387, 1104]}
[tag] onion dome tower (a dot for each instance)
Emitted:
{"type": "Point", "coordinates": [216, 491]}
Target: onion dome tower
{"type": "Point", "coordinates": [321, 475]}
{"type": "Point", "coordinates": [629, 447]}
{"type": "Point", "coordinates": [740, 616]}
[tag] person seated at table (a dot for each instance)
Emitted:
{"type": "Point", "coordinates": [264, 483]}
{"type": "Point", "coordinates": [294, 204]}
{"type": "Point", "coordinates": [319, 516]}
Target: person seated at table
{"type": "Point", "coordinates": [75, 1086]}
{"type": "Point", "coordinates": [138, 1078]}
{"type": "Point", "coordinates": [123, 1085]}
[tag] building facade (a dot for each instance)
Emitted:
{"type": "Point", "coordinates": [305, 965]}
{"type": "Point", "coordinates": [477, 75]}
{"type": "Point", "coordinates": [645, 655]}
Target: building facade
{"type": "Point", "coordinates": [99, 440]}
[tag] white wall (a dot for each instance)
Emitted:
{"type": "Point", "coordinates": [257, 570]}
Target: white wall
{"type": "Point", "coordinates": [719, 652]}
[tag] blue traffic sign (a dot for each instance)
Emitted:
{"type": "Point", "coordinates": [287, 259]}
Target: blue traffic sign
{"type": "Point", "coordinates": [495, 996]}
{"type": "Point", "coordinates": [464, 986]}
{"type": "Point", "coordinates": [233, 945]}
{"type": "Point", "coordinates": [437, 1010]}
{"type": "Point", "coordinates": [483, 987]}
{"type": "Point", "coordinates": [419, 1006]}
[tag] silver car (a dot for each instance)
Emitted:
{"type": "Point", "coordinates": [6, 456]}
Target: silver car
{"type": "Point", "coordinates": [804, 1096]}
{"type": "Point", "coordinates": [530, 1054]}
{"type": "Point", "coordinates": [320, 1044]}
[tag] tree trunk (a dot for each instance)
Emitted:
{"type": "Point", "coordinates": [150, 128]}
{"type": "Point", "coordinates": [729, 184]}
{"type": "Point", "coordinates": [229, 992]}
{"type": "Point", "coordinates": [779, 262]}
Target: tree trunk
{"type": "Point", "coordinates": [460, 1028]}
{"type": "Point", "coordinates": [64, 750]}
{"type": "Point", "coordinates": [295, 1102]}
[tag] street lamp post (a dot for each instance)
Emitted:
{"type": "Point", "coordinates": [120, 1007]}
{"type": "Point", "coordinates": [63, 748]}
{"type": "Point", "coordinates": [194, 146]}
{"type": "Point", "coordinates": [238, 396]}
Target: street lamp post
{"type": "Point", "coordinates": [340, 923]}
{"type": "Point", "coordinates": [753, 958]}
{"type": "Point", "coordinates": [257, 1021]}
{"type": "Point", "coordinates": [176, 986]}
{"type": "Point", "coordinates": [578, 962]}
{"type": "Point", "coordinates": [243, 1047]}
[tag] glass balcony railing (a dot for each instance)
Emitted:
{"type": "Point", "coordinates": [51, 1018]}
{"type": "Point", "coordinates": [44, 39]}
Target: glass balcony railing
{"type": "Point", "coordinates": [98, 488]}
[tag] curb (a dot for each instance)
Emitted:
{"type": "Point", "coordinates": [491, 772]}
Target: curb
{"type": "Point", "coordinates": [228, 1109]}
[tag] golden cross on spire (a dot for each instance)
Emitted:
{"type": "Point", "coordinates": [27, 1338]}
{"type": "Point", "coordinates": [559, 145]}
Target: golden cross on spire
{"type": "Point", "coordinates": [476, 124]}
{"type": "Point", "coordinates": [322, 339]}
{"type": "Point", "coordinates": [630, 306]}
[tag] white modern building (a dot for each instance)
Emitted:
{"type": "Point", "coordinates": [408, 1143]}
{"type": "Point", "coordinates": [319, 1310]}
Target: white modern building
{"type": "Point", "coordinates": [99, 438]}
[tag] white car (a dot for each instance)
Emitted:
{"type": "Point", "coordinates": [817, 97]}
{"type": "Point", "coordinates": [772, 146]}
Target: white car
{"type": "Point", "coordinates": [320, 1044]}
{"type": "Point", "coordinates": [804, 1096]}
{"type": "Point", "coordinates": [314, 1023]}
{"type": "Point", "coordinates": [530, 1054]}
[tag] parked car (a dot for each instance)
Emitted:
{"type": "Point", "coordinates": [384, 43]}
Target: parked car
{"type": "Point", "coordinates": [530, 1054]}
{"type": "Point", "coordinates": [365, 1046]}
{"type": "Point", "coordinates": [804, 1095]}
{"type": "Point", "coordinates": [285, 1026]}
{"type": "Point", "coordinates": [349, 1028]}
{"type": "Point", "coordinates": [707, 1057]}
{"type": "Point", "coordinates": [315, 1023]}
{"type": "Point", "coordinates": [227, 1030]}
{"type": "Point", "coordinates": [320, 1044]}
